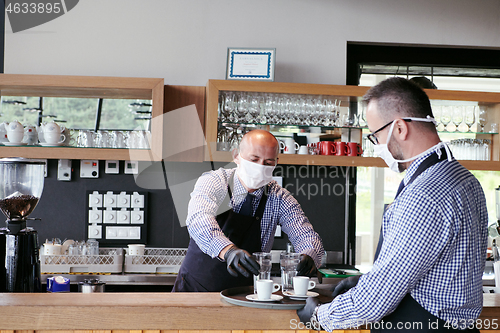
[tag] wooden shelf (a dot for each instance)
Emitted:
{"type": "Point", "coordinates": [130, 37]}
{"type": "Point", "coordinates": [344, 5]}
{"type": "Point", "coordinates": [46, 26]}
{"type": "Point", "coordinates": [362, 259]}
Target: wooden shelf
{"type": "Point", "coordinates": [77, 153]}
{"type": "Point", "coordinates": [346, 94]}
{"type": "Point", "coordinates": [359, 161]}
{"type": "Point", "coordinates": [88, 87]}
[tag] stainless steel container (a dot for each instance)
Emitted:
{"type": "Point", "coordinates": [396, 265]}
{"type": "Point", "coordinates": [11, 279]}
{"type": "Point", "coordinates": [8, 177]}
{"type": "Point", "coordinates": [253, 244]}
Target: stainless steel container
{"type": "Point", "coordinates": [91, 286]}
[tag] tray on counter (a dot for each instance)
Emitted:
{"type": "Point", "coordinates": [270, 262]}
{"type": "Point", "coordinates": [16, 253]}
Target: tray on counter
{"type": "Point", "coordinates": [155, 260]}
{"type": "Point", "coordinates": [237, 296]}
{"type": "Point", "coordinates": [109, 260]}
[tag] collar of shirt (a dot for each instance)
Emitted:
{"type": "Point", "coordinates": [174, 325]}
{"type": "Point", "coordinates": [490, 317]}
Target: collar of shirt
{"type": "Point", "coordinates": [415, 164]}
{"type": "Point", "coordinates": [240, 192]}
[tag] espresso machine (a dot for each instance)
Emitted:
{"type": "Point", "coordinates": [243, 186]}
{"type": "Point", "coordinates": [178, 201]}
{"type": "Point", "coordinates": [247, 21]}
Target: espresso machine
{"type": "Point", "coordinates": [21, 185]}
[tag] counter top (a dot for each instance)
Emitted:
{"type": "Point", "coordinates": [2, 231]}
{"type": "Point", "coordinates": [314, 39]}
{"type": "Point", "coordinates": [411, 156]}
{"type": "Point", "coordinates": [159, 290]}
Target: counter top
{"type": "Point", "coordinates": [150, 311]}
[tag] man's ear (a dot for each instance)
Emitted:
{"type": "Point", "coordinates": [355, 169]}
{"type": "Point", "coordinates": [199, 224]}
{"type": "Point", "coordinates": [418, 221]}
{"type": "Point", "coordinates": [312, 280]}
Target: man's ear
{"type": "Point", "coordinates": [401, 129]}
{"type": "Point", "coordinates": [235, 154]}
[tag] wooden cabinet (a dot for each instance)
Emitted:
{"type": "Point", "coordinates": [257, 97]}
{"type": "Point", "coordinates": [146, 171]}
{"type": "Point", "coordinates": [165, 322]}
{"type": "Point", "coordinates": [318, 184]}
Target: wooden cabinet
{"type": "Point", "coordinates": [346, 96]}
{"type": "Point", "coordinates": [88, 87]}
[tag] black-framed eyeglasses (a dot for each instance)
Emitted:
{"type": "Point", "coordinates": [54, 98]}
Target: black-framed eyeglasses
{"type": "Point", "coordinates": [373, 139]}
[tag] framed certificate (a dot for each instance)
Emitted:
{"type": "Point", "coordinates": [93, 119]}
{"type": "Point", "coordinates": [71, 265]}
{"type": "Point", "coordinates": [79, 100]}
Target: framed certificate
{"type": "Point", "coordinates": [250, 64]}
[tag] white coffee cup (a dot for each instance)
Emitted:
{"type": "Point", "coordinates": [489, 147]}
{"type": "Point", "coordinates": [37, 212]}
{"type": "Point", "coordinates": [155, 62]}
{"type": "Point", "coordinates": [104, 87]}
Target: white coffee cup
{"type": "Point", "coordinates": [54, 137]}
{"type": "Point", "coordinates": [291, 147]}
{"type": "Point", "coordinates": [51, 249]}
{"type": "Point", "coordinates": [303, 150]}
{"type": "Point", "coordinates": [136, 249]}
{"type": "Point", "coordinates": [15, 137]}
{"type": "Point", "coordinates": [301, 284]}
{"type": "Point", "coordinates": [265, 288]}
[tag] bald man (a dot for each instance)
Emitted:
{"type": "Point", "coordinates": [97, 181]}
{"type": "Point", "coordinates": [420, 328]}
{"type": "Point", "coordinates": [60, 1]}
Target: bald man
{"type": "Point", "coordinates": [253, 205]}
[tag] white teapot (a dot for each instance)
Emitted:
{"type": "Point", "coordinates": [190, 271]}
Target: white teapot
{"type": "Point", "coordinates": [52, 133]}
{"type": "Point", "coordinates": [14, 126]}
{"type": "Point", "coordinates": [15, 131]}
{"type": "Point", "coordinates": [50, 128]}
{"type": "Point", "coordinates": [3, 132]}
{"type": "Point", "coordinates": [30, 135]}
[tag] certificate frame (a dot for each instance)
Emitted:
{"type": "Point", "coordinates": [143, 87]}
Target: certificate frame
{"type": "Point", "coordinates": [254, 64]}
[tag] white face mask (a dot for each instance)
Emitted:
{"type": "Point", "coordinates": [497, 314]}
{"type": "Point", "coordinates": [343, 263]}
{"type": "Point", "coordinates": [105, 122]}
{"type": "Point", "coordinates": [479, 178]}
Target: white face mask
{"type": "Point", "coordinates": [254, 175]}
{"type": "Point", "coordinates": [383, 152]}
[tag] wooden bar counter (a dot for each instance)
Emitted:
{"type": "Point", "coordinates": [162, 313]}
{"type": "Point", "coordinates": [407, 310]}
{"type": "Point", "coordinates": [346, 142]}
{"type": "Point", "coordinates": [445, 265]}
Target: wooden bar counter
{"type": "Point", "coordinates": [137, 312]}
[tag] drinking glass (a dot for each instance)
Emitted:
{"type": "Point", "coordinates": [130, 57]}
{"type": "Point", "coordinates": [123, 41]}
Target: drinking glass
{"type": "Point", "coordinates": [446, 113]}
{"type": "Point", "coordinates": [264, 260]}
{"type": "Point", "coordinates": [288, 266]}
{"type": "Point", "coordinates": [224, 138]}
{"type": "Point", "coordinates": [242, 108]}
{"type": "Point", "coordinates": [436, 112]}
{"type": "Point", "coordinates": [229, 105]}
{"type": "Point", "coordinates": [482, 117]}
{"type": "Point", "coordinates": [470, 116]}
{"type": "Point", "coordinates": [254, 107]}
{"type": "Point", "coordinates": [457, 116]}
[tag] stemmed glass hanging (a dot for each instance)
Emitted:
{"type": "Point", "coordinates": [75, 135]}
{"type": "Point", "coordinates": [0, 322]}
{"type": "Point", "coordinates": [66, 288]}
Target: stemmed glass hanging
{"type": "Point", "coordinates": [470, 116]}
{"type": "Point", "coordinates": [457, 116]}
{"type": "Point", "coordinates": [446, 115]}
{"type": "Point", "coordinates": [482, 117]}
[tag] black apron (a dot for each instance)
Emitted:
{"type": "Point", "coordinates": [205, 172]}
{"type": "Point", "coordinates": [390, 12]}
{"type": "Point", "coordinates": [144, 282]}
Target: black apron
{"type": "Point", "coordinates": [410, 316]}
{"type": "Point", "coordinates": [199, 272]}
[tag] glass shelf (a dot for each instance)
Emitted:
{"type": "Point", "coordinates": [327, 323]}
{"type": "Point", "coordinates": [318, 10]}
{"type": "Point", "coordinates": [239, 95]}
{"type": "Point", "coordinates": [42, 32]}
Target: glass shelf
{"type": "Point", "coordinates": [227, 123]}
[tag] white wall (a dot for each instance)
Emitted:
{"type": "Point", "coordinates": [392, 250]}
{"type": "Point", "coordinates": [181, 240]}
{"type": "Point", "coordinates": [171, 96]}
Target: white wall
{"type": "Point", "coordinates": [186, 42]}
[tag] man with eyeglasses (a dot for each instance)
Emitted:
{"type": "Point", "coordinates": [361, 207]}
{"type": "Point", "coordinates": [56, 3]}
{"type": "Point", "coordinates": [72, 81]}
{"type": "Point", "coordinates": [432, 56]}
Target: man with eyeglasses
{"type": "Point", "coordinates": [427, 273]}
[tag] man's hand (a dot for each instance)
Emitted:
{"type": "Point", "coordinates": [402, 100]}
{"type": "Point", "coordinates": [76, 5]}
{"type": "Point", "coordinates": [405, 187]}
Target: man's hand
{"type": "Point", "coordinates": [345, 285]}
{"type": "Point", "coordinates": [306, 266]}
{"type": "Point", "coordinates": [307, 311]}
{"type": "Point", "coordinates": [240, 261]}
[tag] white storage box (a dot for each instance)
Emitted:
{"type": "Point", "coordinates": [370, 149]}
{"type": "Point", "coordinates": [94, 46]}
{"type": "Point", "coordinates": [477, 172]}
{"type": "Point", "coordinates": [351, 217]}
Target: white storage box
{"type": "Point", "coordinates": [155, 260]}
{"type": "Point", "coordinates": [109, 260]}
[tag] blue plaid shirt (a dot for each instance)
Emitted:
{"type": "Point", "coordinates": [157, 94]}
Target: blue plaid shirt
{"type": "Point", "coordinates": [435, 239]}
{"type": "Point", "coordinates": [281, 209]}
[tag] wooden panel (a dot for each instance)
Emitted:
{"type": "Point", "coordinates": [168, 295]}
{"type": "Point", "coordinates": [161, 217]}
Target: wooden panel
{"type": "Point", "coordinates": [77, 153]}
{"type": "Point", "coordinates": [184, 131]}
{"type": "Point", "coordinates": [88, 86]}
{"type": "Point", "coordinates": [77, 86]}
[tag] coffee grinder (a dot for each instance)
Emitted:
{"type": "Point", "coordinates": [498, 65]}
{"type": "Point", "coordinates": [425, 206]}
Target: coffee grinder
{"type": "Point", "coordinates": [21, 185]}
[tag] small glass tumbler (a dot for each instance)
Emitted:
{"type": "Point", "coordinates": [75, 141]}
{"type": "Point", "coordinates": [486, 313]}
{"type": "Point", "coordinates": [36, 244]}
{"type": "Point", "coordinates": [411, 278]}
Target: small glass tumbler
{"type": "Point", "coordinates": [264, 260]}
{"type": "Point", "coordinates": [288, 265]}
{"type": "Point", "coordinates": [93, 251]}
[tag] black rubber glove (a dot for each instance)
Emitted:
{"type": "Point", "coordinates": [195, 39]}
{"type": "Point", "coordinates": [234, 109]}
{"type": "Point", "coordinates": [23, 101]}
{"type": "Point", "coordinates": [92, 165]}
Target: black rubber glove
{"type": "Point", "coordinates": [240, 261]}
{"type": "Point", "coordinates": [306, 313]}
{"type": "Point", "coordinates": [345, 285]}
{"type": "Point", "coordinates": [306, 266]}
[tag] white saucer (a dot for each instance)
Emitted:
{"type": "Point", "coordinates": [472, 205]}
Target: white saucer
{"type": "Point", "coordinates": [45, 144]}
{"type": "Point", "coordinates": [15, 143]}
{"type": "Point", "coordinates": [292, 295]}
{"type": "Point", "coordinates": [274, 298]}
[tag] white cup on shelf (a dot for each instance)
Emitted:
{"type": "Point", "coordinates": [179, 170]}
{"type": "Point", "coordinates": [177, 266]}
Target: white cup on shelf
{"type": "Point", "coordinates": [136, 249]}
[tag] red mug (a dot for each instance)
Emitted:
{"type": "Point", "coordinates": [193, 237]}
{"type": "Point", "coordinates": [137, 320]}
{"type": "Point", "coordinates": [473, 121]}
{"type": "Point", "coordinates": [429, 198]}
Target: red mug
{"type": "Point", "coordinates": [327, 148]}
{"type": "Point", "coordinates": [354, 149]}
{"type": "Point", "coordinates": [341, 149]}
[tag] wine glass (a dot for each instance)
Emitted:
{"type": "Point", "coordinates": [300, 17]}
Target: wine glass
{"type": "Point", "coordinates": [482, 117]}
{"type": "Point", "coordinates": [254, 107]}
{"type": "Point", "coordinates": [446, 116]}
{"type": "Point", "coordinates": [470, 116]}
{"type": "Point", "coordinates": [457, 116]}
{"type": "Point", "coordinates": [436, 112]}
{"type": "Point", "coordinates": [243, 107]}
{"type": "Point", "coordinates": [229, 105]}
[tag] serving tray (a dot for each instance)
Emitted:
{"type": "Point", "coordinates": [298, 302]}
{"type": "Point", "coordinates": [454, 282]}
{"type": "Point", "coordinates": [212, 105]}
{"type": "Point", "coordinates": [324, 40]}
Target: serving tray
{"type": "Point", "coordinates": [237, 296]}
